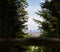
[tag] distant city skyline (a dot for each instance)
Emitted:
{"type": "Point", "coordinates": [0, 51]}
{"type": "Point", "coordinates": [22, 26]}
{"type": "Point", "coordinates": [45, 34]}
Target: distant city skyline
{"type": "Point", "coordinates": [34, 6]}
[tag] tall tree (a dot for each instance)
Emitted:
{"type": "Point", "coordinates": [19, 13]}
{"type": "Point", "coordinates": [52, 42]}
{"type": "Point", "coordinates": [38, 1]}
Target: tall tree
{"type": "Point", "coordinates": [51, 14]}
{"type": "Point", "coordinates": [12, 13]}
{"type": "Point", "coordinates": [51, 25]}
{"type": "Point", "coordinates": [12, 18]}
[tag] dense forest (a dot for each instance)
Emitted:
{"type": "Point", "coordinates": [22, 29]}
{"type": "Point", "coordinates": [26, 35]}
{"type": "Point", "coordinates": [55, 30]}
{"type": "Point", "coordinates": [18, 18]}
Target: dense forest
{"type": "Point", "coordinates": [51, 24]}
{"type": "Point", "coordinates": [13, 16]}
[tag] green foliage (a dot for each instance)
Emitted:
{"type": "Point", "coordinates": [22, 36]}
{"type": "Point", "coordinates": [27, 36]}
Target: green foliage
{"type": "Point", "coordinates": [51, 13]}
{"type": "Point", "coordinates": [12, 18]}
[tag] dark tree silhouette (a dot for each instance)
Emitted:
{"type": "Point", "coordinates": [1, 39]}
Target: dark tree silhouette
{"type": "Point", "coordinates": [51, 26]}
{"type": "Point", "coordinates": [12, 18]}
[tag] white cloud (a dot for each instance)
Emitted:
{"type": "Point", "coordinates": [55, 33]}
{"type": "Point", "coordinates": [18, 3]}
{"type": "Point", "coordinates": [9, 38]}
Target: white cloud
{"type": "Point", "coordinates": [31, 11]}
{"type": "Point", "coordinates": [33, 8]}
{"type": "Point", "coordinates": [32, 25]}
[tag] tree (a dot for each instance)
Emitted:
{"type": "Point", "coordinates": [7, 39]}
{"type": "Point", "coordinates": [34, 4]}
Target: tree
{"type": "Point", "coordinates": [51, 14]}
{"type": "Point", "coordinates": [12, 18]}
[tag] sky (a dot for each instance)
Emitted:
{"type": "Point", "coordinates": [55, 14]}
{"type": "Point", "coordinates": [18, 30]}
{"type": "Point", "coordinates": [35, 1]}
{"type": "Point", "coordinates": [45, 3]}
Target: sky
{"type": "Point", "coordinates": [34, 6]}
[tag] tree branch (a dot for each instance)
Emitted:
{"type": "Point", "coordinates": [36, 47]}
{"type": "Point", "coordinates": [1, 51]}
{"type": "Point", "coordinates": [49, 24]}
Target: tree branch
{"type": "Point", "coordinates": [31, 41]}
